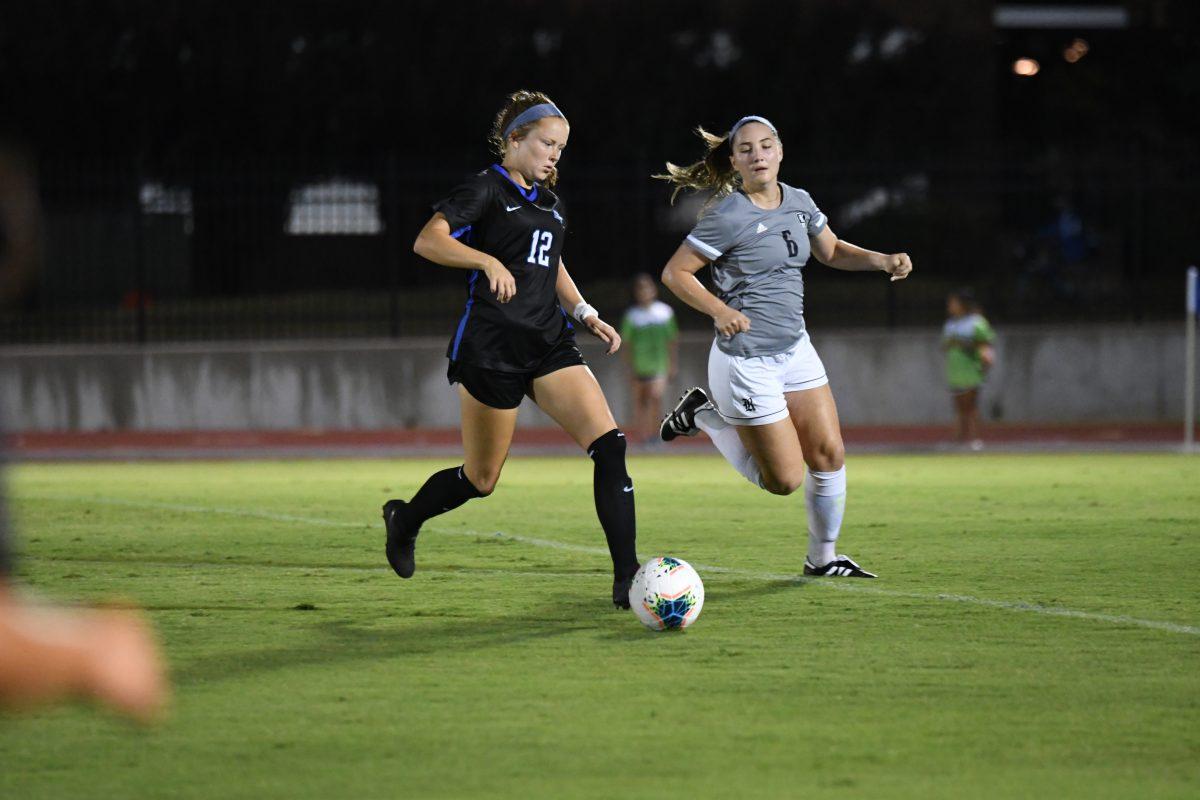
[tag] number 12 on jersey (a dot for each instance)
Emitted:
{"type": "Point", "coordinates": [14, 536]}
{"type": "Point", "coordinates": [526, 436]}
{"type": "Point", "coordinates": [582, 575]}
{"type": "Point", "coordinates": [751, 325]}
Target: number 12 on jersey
{"type": "Point", "coordinates": [539, 248]}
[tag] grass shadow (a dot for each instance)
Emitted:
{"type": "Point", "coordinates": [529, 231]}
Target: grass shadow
{"type": "Point", "coordinates": [758, 590]}
{"type": "Point", "coordinates": [335, 642]}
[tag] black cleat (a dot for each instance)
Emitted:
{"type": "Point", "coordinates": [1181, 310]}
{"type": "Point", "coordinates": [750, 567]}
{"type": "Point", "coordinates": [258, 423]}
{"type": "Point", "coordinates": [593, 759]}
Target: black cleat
{"type": "Point", "coordinates": [840, 567]}
{"type": "Point", "coordinates": [621, 588]}
{"type": "Point", "coordinates": [401, 546]}
{"type": "Point", "coordinates": [682, 419]}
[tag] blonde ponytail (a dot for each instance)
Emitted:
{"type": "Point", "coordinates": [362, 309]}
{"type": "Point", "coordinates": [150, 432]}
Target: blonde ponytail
{"type": "Point", "coordinates": [714, 172]}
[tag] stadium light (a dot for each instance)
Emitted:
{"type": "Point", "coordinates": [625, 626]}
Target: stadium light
{"type": "Point", "coordinates": [1076, 50]}
{"type": "Point", "coordinates": [1026, 67]}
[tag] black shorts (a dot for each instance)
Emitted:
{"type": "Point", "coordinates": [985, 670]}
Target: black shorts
{"type": "Point", "coordinates": [506, 389]}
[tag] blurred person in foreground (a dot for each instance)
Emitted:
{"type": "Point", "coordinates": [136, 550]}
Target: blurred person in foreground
{"type": "Point", "coordinates": [49, 654]}
{"type": "Point", "coordinates": [651, 338]}
{"type": "Point", "coordinates": [967, 342]}
{"type": "Point", "coordinates": [52, 653]}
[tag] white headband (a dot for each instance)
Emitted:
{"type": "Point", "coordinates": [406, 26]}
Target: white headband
{"type": "Point", "coordinates": [737, 125]}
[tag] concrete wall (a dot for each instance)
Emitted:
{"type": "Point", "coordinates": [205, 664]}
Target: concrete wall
{"type": "Point", "coordinates": [1043, 374]}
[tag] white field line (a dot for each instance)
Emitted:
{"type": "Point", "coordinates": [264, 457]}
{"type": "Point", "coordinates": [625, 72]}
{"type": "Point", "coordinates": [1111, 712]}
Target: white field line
{"type": "Point", "coordinates": [308, 569]}
{"type": "Point", "coordinates": [847, 585]}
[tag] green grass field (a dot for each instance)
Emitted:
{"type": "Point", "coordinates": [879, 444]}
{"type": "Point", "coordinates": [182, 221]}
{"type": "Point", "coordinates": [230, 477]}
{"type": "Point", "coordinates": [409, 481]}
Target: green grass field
{"type": "Point", "coordinates": [1035, 633]}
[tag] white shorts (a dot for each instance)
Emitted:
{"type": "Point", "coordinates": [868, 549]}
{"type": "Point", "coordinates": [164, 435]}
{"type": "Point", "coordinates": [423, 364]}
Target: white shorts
{"type": "Point", "coordinates": [750, 391]}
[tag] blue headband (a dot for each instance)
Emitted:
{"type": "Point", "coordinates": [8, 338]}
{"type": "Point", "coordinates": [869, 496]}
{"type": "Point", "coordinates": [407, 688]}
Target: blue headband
{"type": "Point", "coordinates": [532, 115]}
{"type": "Point", "coordinates": [737, 126]}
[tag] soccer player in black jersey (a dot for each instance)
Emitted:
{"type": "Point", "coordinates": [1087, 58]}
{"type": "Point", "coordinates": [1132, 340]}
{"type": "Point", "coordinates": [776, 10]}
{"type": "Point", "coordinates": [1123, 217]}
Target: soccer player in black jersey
{"type": "Point", "coordinates": [514, 338]}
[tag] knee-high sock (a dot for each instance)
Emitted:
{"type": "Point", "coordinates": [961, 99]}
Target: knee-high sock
{"type": "Point", "coordinates": [825, 500]}
{"type": "Point", "coordinates": [613, 491]}
{"type": "Point", "coordinates": [443, 491]}
{"type": "Point", "coordinates": [726, 438]}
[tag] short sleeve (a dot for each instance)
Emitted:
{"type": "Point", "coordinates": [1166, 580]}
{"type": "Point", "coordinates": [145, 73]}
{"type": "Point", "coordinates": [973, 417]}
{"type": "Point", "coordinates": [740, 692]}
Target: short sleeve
{"type": "Point", "coordinates": [815, 220]}
{"type": "Point", "coordinates": [465, 204]}
{"type": "Point", "coordinates": [713, 235]}
{"type": "Point", "coordinates": [983, 331]}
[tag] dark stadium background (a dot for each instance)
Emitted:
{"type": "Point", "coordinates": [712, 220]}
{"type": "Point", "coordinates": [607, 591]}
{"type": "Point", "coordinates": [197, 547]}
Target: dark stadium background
{"type": "Point", "coordinates": [171, 142]}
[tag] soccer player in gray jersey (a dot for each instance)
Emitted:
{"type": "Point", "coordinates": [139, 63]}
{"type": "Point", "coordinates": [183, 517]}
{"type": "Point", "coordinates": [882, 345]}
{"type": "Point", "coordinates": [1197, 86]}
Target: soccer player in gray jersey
{"type": "Point", "coordinates": [771, 414]}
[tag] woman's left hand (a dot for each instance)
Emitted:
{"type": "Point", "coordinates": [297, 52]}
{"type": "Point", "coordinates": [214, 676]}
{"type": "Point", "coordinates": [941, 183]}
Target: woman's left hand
{"type": "Point", "coordinates": [605, 332]}
{"type": "Point", "coordinates": [898, 265]}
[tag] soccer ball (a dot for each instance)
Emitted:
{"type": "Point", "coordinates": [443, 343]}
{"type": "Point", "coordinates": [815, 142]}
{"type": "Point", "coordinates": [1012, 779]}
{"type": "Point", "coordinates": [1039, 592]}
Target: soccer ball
{"type": "Point", "coordinates": [666, 593]}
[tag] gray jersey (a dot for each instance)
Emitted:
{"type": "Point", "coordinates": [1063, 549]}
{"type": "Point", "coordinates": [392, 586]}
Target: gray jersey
{"type": "Point", "coordinates": [757, 257]}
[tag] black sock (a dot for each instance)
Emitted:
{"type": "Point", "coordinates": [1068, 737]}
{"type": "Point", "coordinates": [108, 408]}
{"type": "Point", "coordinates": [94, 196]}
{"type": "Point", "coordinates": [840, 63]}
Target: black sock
{"type": "Point", "coordinates": [613, 490]}
{"type": "Point", "coordinates": [444, 491]}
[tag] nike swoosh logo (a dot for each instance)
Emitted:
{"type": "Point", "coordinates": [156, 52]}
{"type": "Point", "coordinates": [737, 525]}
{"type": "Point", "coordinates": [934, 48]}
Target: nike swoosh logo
{"type": "Point", "coordinates": [514, 208]}
{"type": "Point", "coordinates": [629, 488]}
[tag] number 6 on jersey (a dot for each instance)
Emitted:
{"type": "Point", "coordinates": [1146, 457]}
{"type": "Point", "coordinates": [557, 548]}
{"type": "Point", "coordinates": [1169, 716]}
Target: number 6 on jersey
{"type": "Point", "coordinates": [540, 254]}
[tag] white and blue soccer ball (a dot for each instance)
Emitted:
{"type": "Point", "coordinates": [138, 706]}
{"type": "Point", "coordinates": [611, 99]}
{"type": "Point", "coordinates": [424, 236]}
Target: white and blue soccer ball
{"type": "Point", "coordinates": [666, 593]}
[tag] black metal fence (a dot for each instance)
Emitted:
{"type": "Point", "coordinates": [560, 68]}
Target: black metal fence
{"type": "Point", "coordinates": [276, 248]}
{"type": "Point", "coordinates": [146, 215]}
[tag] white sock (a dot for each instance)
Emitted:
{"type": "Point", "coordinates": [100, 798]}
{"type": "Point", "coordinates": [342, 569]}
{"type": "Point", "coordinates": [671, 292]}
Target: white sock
{"type": "Point", "coordinates": [726, 438]}
{"type": "Point", "coordinates": [825, 501]}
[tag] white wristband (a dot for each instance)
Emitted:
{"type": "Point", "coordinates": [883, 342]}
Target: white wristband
{"type": "Point", "coordinates": [583, 311]}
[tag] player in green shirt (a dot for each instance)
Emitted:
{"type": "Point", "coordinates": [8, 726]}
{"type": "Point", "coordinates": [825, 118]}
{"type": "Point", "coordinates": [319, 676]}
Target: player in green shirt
{"type": "Point", "coordinates": [651, 340]}
{"type": "Point", "coordinates": [967, 341]}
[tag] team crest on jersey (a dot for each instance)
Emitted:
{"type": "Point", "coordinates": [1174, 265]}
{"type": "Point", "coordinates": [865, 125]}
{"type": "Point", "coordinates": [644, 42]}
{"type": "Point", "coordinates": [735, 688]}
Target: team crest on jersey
{"type": "Point", "coordinates": [803, 217]}
{"type": "Point", "coordinates": [557, 216]}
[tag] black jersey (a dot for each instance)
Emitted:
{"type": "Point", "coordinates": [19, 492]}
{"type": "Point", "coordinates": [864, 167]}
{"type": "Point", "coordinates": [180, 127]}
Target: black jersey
{"type": "Point", "coordinates": [524, 230]}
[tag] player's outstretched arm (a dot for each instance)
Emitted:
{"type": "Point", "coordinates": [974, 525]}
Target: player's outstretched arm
{"type": "Point", "coordinates": [435, 243]}
{"type": "Point", "coordinates": [49, 654]}
{"type": "Point", "coordinates": [834, 252]}
{"type": "Point", "coordinates": [679, 275]}
{"type": "Point", "coordinates": [570, 297]}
